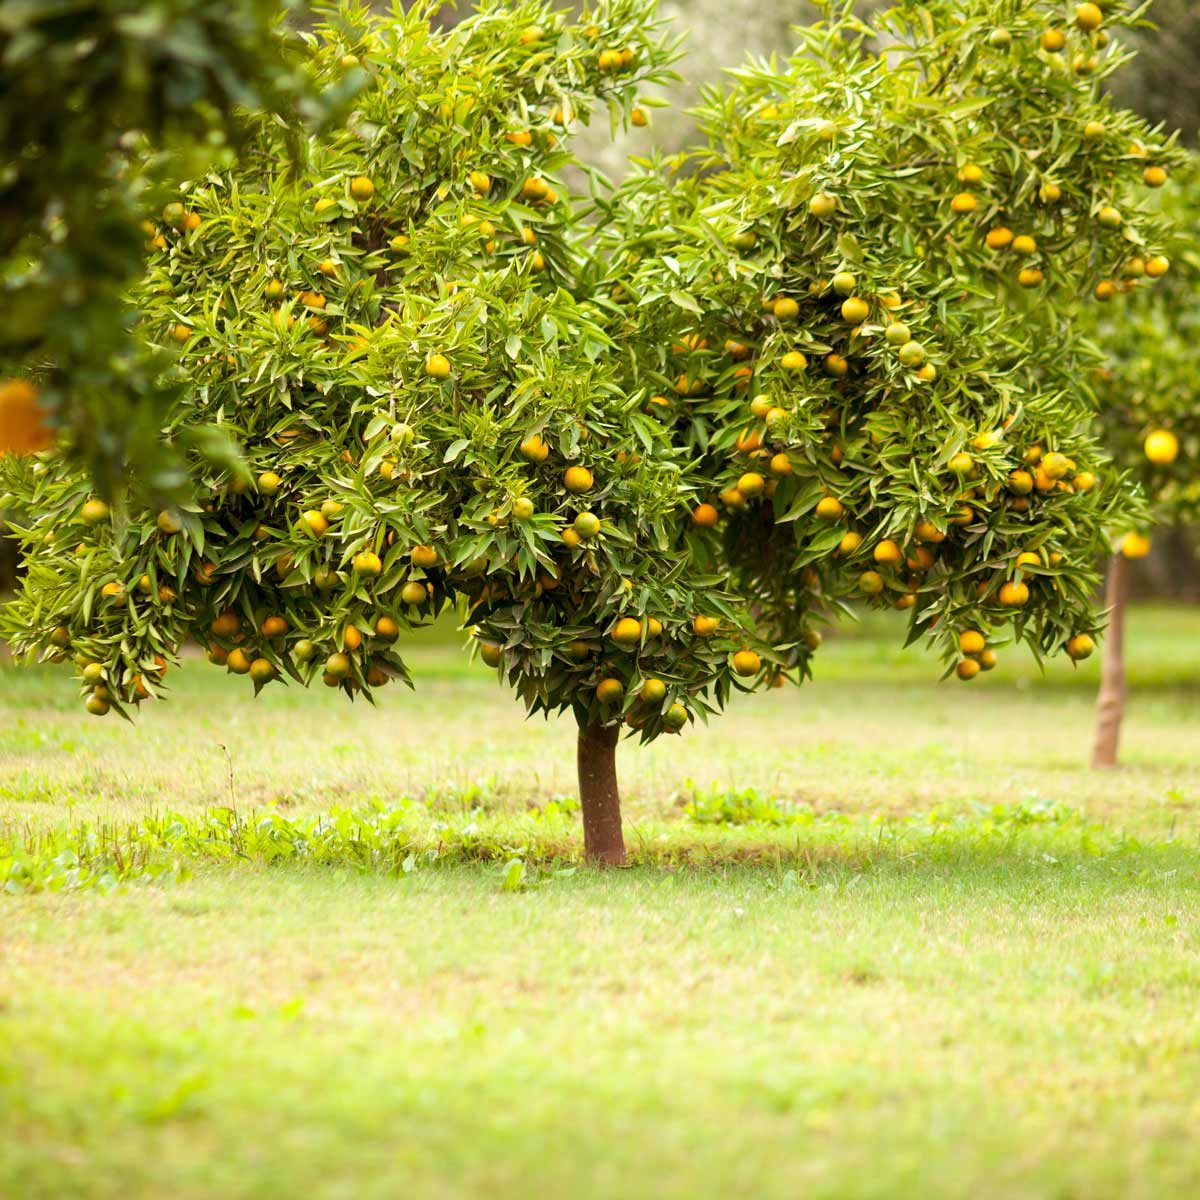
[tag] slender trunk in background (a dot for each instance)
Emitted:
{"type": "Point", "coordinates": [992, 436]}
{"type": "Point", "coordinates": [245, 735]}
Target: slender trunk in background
{"type": "Point", "coordinates": [1110, 703]}
{"type": "Point", "coordinates": [598, 795]}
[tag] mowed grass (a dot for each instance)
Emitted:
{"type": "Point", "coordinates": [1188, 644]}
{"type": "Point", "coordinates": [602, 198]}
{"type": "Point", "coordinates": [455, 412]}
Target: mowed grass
{"type": "Point", "coordinates": [951, 962]}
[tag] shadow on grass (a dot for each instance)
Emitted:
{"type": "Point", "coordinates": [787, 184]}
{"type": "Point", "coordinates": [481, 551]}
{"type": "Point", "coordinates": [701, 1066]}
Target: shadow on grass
{"type": "Point", "coordinates": [719, 832]}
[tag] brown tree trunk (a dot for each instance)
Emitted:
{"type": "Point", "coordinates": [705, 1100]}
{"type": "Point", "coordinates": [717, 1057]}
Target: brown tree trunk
{"type": "Point", "coordinates": [598, 795]}
{"type": "Point", "coordinates": [1110, 703]}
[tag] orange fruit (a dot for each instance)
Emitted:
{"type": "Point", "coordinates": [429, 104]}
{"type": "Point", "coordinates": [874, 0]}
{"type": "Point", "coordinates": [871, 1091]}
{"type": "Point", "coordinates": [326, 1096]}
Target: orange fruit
{"type": "Point", "coordinates": [362, 188]}
{"type": "Point", "coordinates": [610, 691]}
{"type": "Point", "coordinates": [887, 553]}
{"type": "Point", "coordinates": [24, 428]}
{"type": "Point", "coordinates": [627, 632]}
{"type": "Point", "coordinates": [967, 668]}
{"type": "Point", "coordinates": [705, 516]}
{"type": "Point", "coordinates": [830, 508]}
{"type": "Point", "coordinates": [238, 662]}
{"type": "Point", "coordinates": [1080, 647]}
{"type": "Point", "coordinates": [578, 480]}
{"type": "Point", "coordinates": [705, 626]}
{"type": "Point", "coordinates": [423, 556]}
{"type": "Point", "coordinates": [971, 641]}
{"type": "Point", "coordinates": [1014, 595]}
{"type": "Point", "coordinates": [746, 662]}
{"type": "Point", "coordinates": [367, 562]}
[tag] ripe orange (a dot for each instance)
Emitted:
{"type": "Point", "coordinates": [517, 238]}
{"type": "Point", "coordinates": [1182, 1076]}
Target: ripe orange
{"type": "Point", "coordinates": [887, 553]}
{"type": "Point", "coordinates": [704, 626]}
{"type": "Point", "coordinates": [1080, 647]}
{"type": "Point", "coordinates": [1135, 545]}
{"type": "Point", "coordinates": [967, 669]}
{"type": "Point", "coordinates": [1088, 17]}
{"type": "Point", "coordinates": [367, 562]}
{"type": "Point", "coordinates": [423, 556]}
{"type": "Point", "coordinates": [1053, 40]}
{"type": "Point", "coordinates": [855, 310]}
{"type": "Point", "coordinates": [780, 464]}
{"type": "Point", "coordinates": [927, 531]}
{"type": "Point", "coordinates": [705, 516]}
{"type": "Point", "coordinates": [653, 691]}
{"type": "Point", "coordinates": [746, 662]}
{"type": "Point", "coordinates": [963, 203]}
{"type": "Point", "coordinates": [227, 625]}
{"type": "Point", "coordinates": [836, 365]}
{"type": "Point", "coordinates": [785, 309]}
{"type": "Point", "coordinates": [262, 671]}
{"type": "Point", "coordinates": [1157, 266]}
{"type": "Point", "coordinates": [850, 542]}
{"type": "Point", "coordinates": [362, 188]}
{"type": "Point", "coordinates": [23, 422]}
{"type": "Point", "coordinates": [610, 691]}
{"type": "Point", "coordinates": [437, 366]}
{"type": "Point", "coordinates": [627, 632]}
{"type": "Point", "coordinates": [274, 627]}
{"type": "Point", "coordinates": [751, 484]}
{"type": "Point", "coordinates": [1161, 447]}
{"type": "Point", "coordinates": [352, 637]}
{"type": "Point", "coordinates": [987, 660]}
{"type": "Point", "coordinates": [315, 522]}
{"type": "Point", "coordinates": [999, 238]}
{"type": "Point", "coordinates": [578, 480]}
{"type": "Point", "coordinates": [1105, 290]}
{"type": "Point", "coordinates": [1014, 595]}
{"type": "Point", "coordinates": [238, 661]}
{"type": "Point", "coordinates": [830, 508]}
{"type": "Point", "coordinates": [971, 641]}
{"type": "Point", "coordinates": [793, 360]}
{"type": "Point", "coordinates": [1154, 176]}
{"type": "Point", "coordinates": [535, 448]}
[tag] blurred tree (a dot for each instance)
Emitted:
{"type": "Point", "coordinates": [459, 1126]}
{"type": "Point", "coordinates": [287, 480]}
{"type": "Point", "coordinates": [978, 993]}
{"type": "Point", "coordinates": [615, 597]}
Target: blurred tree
{"type": "Point", "coordinates": [1149, 397]}
{"type": "Point", "coordinates": [99, 101]}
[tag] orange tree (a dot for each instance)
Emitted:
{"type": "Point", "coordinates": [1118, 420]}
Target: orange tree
{"type": "Point", "coordinates": [1150, 420]}
{"type": "Point", "coordinates": [646, 438]}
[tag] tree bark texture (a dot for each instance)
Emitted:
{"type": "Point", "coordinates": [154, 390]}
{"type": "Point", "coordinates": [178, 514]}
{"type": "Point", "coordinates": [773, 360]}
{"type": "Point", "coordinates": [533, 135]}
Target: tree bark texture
{"type": "Point", "coordinates": [598, 795]}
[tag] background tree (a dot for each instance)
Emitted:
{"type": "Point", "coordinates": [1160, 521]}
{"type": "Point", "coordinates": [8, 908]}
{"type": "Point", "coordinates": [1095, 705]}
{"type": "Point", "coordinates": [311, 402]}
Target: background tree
{"type": "Point", "coordinates": [1150, 420]}
{"type": "Point", "coordinates": [649, 438]}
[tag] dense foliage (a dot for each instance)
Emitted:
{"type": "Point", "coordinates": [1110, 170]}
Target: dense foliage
{"type": "Point", "coordinates": [648, 438]}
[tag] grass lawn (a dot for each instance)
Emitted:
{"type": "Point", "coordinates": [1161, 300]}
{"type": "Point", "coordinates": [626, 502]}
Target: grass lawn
{"type": "Point", "coordinates": [884, 937]}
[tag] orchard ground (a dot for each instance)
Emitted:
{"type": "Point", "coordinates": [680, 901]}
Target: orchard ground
{"type": "Point", "coordinates": [883, 937]}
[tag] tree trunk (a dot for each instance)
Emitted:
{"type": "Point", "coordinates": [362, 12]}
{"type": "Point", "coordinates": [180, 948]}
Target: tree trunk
{"type": "Point", "coordinates": [598, 795]}
{"type": "Point", "coordinates": [1110, 703]}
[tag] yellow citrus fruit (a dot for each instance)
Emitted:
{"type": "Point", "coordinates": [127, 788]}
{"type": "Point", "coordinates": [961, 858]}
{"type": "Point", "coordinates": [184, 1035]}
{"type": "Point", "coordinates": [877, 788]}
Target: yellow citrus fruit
{"type": "Point", "coordinates": [746, 662]}
{"type": "Point", "coordinates": [705, 516]}
{"type": "Point", "coordinates": [830, 508]}
{"type": "Point", "coordinates": [967, 668]}
{"type": "Point", "coordinates": [362, 187]}
{"type": "Point", "coordinates": [1161, 447]}
{"type": "Point", "coordinates": [578, 480]}
{"type": "Point", "coordinates": [1014, 595]}
{"type": "Point", "coordinates": [1080, 647]}
{"type": "Point", "coordinates": [971, 641]}
{"type": "Point", "coordinates": [367, 563]}
{"type": "Point", "coordinates": [423, 556]}
{"type": "Point", "coordinates": [1088, 17]}
{"type": "Point", "coordinates": [964, 202]}
{"type": "Point", "coordinates": [1154, 176]}
{"type": "Point", "coordinates": [437, 366]}
{"type": "Point", "coordinates": [704, 626]}
{"type": "Point", "coordinates": [887, 553]}
{"type": "Point", "coordinates": [1053, 40]}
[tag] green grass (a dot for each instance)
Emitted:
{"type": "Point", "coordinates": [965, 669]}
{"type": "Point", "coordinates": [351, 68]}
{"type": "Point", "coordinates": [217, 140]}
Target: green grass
{"type": "Point", "coordinates": [884, 937]}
